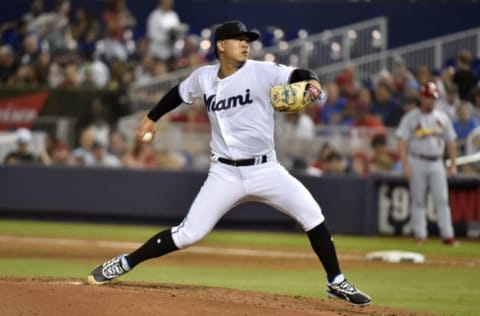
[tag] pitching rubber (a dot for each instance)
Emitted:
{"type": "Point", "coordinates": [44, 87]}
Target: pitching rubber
{"type": "Point", "coordinates": [91, 280]}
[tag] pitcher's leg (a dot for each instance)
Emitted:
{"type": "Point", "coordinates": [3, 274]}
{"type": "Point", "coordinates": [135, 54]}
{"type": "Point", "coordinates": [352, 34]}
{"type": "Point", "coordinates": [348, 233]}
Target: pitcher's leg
{"type": "Point", "coordinates": [439, 190]}
{"type": "Point", "coordinates": [278, 188]}
{"type": "Point", "coordinates": [275, 186]}
{"type": "Point", "coordinates": [220, 192]}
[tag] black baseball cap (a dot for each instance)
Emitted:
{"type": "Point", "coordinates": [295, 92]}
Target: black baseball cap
{"type": "Point", "coordinates": [232, 29]}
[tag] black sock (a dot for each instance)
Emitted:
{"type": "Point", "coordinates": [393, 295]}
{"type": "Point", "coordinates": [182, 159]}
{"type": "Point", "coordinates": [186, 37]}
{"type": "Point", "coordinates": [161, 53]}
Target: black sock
{"type": "Point", "coordinates": [322, 244]}
{"type": "Point", "coordinates": [159, 245]}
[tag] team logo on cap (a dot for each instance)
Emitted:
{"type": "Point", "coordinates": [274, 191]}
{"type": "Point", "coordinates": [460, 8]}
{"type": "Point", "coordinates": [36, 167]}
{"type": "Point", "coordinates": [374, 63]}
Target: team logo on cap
{"type": "Point", "coordinates": [429, 90]}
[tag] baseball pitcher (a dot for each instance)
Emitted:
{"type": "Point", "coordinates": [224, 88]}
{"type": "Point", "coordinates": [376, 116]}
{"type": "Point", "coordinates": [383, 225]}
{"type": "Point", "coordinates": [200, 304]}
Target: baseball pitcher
{"type": "Point", "coordinates": [241, 96]}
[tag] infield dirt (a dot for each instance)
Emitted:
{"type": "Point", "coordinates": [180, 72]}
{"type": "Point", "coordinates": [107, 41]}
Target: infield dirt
{"type": "Point", "coordinates": [53, 296]}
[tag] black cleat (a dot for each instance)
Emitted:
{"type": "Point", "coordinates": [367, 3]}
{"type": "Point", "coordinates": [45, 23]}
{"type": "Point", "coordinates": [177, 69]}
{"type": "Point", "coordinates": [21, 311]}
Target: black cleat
{"type": "Point", "coordinates": [348, 292]}
{"type": "Point", "coordinates": [107, 271]}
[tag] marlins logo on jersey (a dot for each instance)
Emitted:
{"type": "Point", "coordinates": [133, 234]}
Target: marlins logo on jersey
{"type": "Point", "coordinates": [224, 104]}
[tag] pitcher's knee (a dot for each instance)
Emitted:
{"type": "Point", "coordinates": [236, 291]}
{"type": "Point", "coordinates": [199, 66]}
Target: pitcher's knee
{"type": "Point", "coordinates": [184, 238]}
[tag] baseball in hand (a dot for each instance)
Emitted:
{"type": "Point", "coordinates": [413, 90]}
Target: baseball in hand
{"type": "Point", "coordinates": [147, 137]}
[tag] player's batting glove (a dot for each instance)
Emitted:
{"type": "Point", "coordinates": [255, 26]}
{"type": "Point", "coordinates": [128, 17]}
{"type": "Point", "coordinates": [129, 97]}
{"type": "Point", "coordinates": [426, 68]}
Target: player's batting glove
{"type": "Point", "coordinates": [294, 97]}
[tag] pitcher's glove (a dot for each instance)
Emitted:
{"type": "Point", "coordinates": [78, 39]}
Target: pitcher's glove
{"type": "Point", "coordinates": [294, 97]}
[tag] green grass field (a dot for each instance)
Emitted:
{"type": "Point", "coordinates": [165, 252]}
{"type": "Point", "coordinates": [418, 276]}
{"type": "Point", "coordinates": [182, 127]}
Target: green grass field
{"type": "Point", "coordinates": [445, 289]}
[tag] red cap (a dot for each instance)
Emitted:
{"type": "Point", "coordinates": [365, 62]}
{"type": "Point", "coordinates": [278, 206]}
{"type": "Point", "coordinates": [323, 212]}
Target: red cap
{"type": "Point", "coordinates": [429, 90]}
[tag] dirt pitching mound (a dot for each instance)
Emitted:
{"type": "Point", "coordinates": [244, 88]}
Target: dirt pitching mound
{"type": "Point", "coordinates": [52, 296]}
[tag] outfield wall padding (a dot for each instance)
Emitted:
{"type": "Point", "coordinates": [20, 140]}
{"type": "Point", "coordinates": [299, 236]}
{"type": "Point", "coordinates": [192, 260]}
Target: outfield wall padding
{"type": "Point", "coordinates": [352, 205]}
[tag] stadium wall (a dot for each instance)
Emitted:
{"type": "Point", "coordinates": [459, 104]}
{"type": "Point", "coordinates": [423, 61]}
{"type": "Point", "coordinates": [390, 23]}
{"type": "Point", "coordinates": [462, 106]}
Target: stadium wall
{"type": "Point", "coordinates": [352, 205]}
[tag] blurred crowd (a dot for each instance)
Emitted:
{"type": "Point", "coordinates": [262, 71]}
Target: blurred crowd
{"type": "Point", "coordinates": [61, 48]}
{"type": "Point", "coordinates": [64, 49]}
{"type": "Point", "coordinates": [376, 107]}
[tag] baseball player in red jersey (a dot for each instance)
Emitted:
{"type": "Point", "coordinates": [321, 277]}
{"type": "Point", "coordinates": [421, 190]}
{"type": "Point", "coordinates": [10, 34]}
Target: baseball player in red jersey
{"type": "Point", "coordinates": [236, 92]}
{"type": "Point", "coordinates": [423, 135]}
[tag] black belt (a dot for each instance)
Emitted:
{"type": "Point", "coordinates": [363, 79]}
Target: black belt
{"type": "Point", "coordinates": [243, 162]}
{"type": "Point", "coordinates": [426, 157]}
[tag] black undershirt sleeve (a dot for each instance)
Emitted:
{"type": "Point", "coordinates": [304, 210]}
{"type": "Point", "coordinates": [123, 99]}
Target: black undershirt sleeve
{"type": "Point", "coordinates": [301, 74]}
{"type": "Point", "coordinates": [169, 101]}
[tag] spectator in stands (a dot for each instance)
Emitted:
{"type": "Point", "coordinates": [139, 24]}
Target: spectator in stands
{"type": "Point", "coordinates": [85, 29]}
{"type": "Point", "coordinates": [117, 20]}
{"type": "Point", "coordinates": [31, 49]}
{"type": "Point", "coordinates": [167, 159]}
{"type": "Point", "coordinates": [118, 144]}
{"type": "Point", "coordinates": [385, 106]}
{"type": "Point", "coordinates": [101, 157]}
{"type": "Point", "coordinates": [362, 117]}
{"type": "Point", "coordinates": [464, 124]}
{"type": "Point", "coordinates": [194, 113]}
{"type": "Point", "coordinates": [58, 34]}
{"type": "Point", "coordinates": [70, 76]}
{"type": "Point", "coordinates": [141, 49]}
{"type": "Point", "coordinates": [42, 67]}
{"type": "Point", "coordinates": [190, 55]}
{"type": "Point", "coordinates": [97, 120]}
{"type": "Point", "coordinates": [347, 82]}
{"type": "Point", "coordinates": [445, 79]}
{"type": "Point", "coordinates": [347, 117]}
{"type": "Point", "coordinates": [464, 77]}
{"type": "Point", "coordinates": [411, 89]}
{"type": "Point", "coordinates": [121, 75]}
{"type": "Point", "coordinates": [8, 65]}
{"type": "Point", "coordinates": [55, 74]}
{"type": "Point", "coordinates": [407, 104]}
{"type": "Point", "coordinates": [364, 125]}
{"type": "Point", "coordinates": [35, 11]}
{"type": "Point", "coordinates": [61, 154]}
{"type": "Point", "coordinates": [424, 75]}
{"type": "Point", "coordinates": [142, 156]}
{"type": "Point", "coordinates": [383, 77]}
{"type": "Point", "coordinates": [472, 147]}
{"type": "Point", "coordinates": [337, 165]}
{"type": "Point", "coordinates": [476, 102]}
{"type": "Point", "coordinates": [330, 111]}
{"type": "Point", "coordinates": [82, 155]}
{"type": "Point", "coordinates": [93, 72]}
{"type": "Point", "coordinates": [299, 131]}
{"type": "Point", "coordinates": [14, 36]}
{"type": "Point", "coordinates": [24, 77]}
{"type": "Point", "coordinates": [299, 125]}
{"type": "Point", "coordinates": [23, 154]}
{"type": "Point", "coordinates": [162, 23]}
{"type": "Point", "coordinates": [359, 164]}
{"type": "Point", "coordinates": [450, 102]}
{"type": "Point", "coordinates": [150, 70]}
{"type": "Point", "coordinates": [46, 150]}
{"type": "Point", "coordinates": [401, 77]}
{"type": "Point", "coordinates": [382, 159]}
{"type": "Point", "coordinates": [144, 69]}
{"type": "Point", "coordinates": [321, 162]}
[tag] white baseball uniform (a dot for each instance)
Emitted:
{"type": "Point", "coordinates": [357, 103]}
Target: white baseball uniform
{"type": "Point", "coordinates": [242, 126]}
{"type": "Point", "coordinates": [426, 135]}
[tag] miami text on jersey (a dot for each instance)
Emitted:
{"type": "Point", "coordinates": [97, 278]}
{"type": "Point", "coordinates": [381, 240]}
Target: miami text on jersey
{"type": "Point", "coordinates": [227, 103]}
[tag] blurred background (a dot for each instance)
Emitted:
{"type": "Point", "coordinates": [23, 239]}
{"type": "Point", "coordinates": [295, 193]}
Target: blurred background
{"type": "Point", "coordinates": [76, 76]}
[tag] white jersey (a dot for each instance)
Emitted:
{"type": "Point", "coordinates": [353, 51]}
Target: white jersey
{"type": "Point", "coordinates": [238, 106]}
{"type": "Point", "coordinates": [426, 133]}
